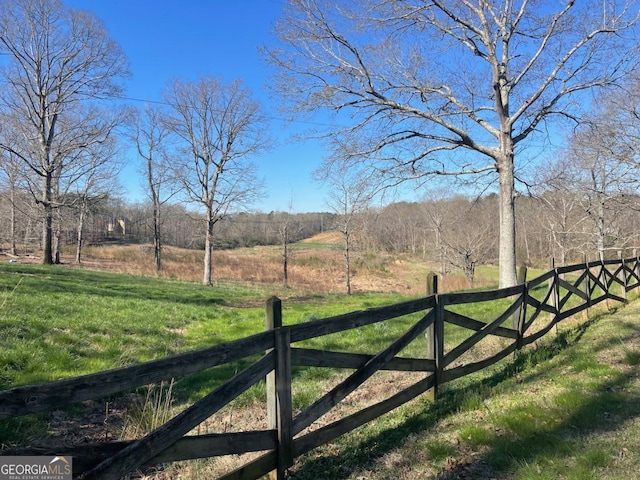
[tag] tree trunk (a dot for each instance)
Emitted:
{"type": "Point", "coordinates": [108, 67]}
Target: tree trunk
{"type": "Point", "coordinates": [208, 248]}
{"type": "Point", "coordinates": [157, 245]}
{"type": "Point", "coordinates": [285, 256]}
{"type": "Point", "coordinates": [47, 198]}
{"type": "Point", "coordinates": [601, 228]}
{"type": "Point", "coordinates": [47, 224]}
{"type": "Point", "coordinates": [347, 260]}
{"type": "Point", "coordinates": [79, 235]}
{"type": "Point", "coordinates": [47, 235]}
{"type": "Point", "coordinates": [507, 251]}
{"type": "Point", "coordinates": [13, 250]}
{"type": "Point", "coordinates": [55, 248]}
{"type": "Point", "coordinates": [601, 196]}
{"type": "Point", "coordinates": [56, 237]}
{"type": "Point", "coordinates": [469, 269]}
{"type": "Point", "coordinates": [157, 241]}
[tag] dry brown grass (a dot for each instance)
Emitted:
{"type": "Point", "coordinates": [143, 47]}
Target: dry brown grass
{"type": "Point", "coordinates": [315, 266]}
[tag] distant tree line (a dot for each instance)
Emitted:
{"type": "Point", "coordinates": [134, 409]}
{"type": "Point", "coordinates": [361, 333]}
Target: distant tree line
{"type": "Point", "coordinates": [113, 220]}
{"type": "Point", "coordinates": [454, 233]}
{"type": "Point", "coordinates": [513, 78]}
{"type": "Point", "coordinates": [459, 233]}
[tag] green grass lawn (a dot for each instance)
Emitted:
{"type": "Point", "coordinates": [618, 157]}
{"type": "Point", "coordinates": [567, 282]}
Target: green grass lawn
{"type": "Point", "coordinates": [532, 416]}
{"type": "Point", "coordinates": [58, 322]}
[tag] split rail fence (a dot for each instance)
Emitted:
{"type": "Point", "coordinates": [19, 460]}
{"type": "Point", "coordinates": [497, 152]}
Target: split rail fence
{"type": "Point", "coordinates": [531, 310]}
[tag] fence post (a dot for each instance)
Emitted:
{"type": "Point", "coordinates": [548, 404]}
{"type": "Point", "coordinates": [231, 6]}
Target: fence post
{"type": "Point", "coordinates": [636, 263]}
{"type": "Point", "coordinates": [439, 341]}
{"type": "Point", "coordinates": [279, 410]}
{"type": "Point", "coordinates": [587, 282]}
{"type": "Point", "coordinates": [622, 276]}
{"type": "Point", "coordinates": [515, 318]}
{"type": "Point", "coordinates": [518, 319]}
{"type": "Point", "coordinates": [284, 413]}
{"type": "Point", "coordinates": [605, 281]}
{"type": "Point", "coordinates": [552, 286]}
{"type": "Point", "coordinates": [430, 334]}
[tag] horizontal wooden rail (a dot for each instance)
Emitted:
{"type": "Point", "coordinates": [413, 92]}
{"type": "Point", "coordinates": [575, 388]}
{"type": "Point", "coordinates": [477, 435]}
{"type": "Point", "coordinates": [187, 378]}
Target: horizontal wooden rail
{"type": "Point", "coordinates": [49, 396]}
{"type": "Point", "coordinates": [303, 357]}
{"type": "Point", "coordinates": [460, 298]}
{"type": "Point", "coordinates": [190, 447]}
{"type": "Point", "coordinates": [349, 321]}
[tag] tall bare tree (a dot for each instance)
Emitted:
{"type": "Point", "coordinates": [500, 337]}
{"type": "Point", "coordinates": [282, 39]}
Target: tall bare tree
{"type": "Point", "coordinates": [288, 231]}
{"type": "Point", "coordinates": [57, 59]}
{"type": "Point", "coordinates": [448, 87]}
{"type": "Point", "coordinates": [607, 173]}
{"type": "Point", "coordinates": [150, 136]}
{"type": "Point", "coordinates": [220, 128]}
{"type": "Point", "coordinates": [563, 218]}
{"type": "Point", "coordinates": [469, 239]}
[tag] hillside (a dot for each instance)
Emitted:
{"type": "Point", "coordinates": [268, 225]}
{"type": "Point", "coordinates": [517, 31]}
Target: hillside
{"type": "Point", "coordinates": [316, 266]}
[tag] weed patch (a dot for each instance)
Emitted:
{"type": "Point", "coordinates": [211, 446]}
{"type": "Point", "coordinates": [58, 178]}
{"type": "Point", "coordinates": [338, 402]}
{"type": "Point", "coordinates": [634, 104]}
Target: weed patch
{"type": "Point", "coordinates": [632, 357]}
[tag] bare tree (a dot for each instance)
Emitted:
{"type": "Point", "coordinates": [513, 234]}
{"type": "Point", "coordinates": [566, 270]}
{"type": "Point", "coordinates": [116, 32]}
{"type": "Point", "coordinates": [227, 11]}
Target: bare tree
{"type": "Point", "coordinates": [419, 81]}
{"type": "Point", "coordinates": [220, 127]}
{"type": "Point", "coordinates": [467, 232]}
{"type": "Point", "coordinates": [57, 58]}
{"type": "Point", "coordinates": [436, 207]}
{"type": "Point", "coordinates": [13, 173]}
{"type": "Point", "coordinates": [96, 181]}
{"type": "Point", "coordinates": [606, 172]}
{"type": "Point", "coordinates": [150, 136]}
{"type": "Point", "coordinates": [289, 231]}
{"type": "Point", "coordinates": [563, 218]}
{"type": "Point", "coordinates": [350, 194]}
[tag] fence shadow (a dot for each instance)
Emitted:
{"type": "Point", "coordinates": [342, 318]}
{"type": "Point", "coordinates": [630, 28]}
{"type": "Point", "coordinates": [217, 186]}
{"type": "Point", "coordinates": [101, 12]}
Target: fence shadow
{"type": "Point", "coordinates": [452, 399]}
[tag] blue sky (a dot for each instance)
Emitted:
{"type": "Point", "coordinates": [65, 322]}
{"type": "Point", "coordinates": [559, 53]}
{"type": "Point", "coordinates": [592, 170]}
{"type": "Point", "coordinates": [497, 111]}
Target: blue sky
{"type": "Point", "coordinates": [186, 39]}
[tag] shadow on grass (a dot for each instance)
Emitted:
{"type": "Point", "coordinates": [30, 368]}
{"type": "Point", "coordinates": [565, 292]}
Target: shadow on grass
{"type": "Point", "coordinates": [604, 410]}
{"type": "Point", "coordinates": [529, 440]}
{"type": "Point", "coordinates": [63, 280]}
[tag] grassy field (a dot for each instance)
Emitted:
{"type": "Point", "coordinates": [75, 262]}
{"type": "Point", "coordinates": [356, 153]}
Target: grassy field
{"type": "Point", "coordinates": [58, 322]}
{"type": "Point", "coordinates": [566, 409]}
{"type": "Point", "coordinates": [316, 267]}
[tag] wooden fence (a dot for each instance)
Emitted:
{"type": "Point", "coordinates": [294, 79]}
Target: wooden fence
{"type": "Point", "coordinates": [531, 309]}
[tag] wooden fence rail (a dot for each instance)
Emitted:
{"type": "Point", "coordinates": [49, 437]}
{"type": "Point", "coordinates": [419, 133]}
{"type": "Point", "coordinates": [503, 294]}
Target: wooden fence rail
{"type": "Point", "coordinates": [531, 310]}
